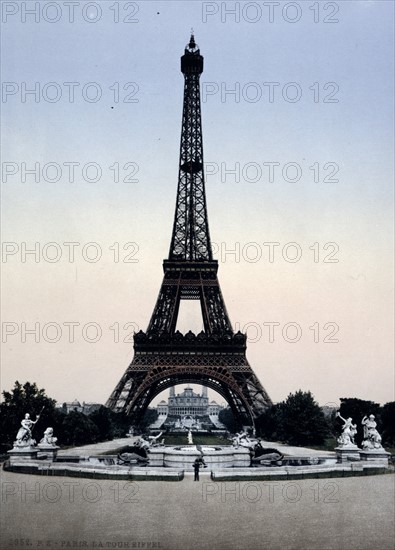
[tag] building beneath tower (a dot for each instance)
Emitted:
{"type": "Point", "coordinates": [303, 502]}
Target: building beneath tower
{"type": "Point", "coordinates": [188, 403]}
{"type": "Point", "coordinates": [188, 409]}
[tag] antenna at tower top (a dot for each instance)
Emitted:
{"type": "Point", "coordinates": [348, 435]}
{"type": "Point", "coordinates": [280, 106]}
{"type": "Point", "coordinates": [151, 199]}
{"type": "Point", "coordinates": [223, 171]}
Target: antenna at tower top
{"type": "Point", "coordinates": [192, 43]}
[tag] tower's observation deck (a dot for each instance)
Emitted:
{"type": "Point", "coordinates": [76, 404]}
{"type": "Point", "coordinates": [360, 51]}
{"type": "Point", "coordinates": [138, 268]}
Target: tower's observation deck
{"type": "Point", "coordinates": [192, 61]}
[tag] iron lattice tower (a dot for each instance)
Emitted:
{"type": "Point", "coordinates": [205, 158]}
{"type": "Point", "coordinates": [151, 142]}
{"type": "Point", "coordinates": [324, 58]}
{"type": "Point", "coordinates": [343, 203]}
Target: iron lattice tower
{"type": "Point", "coordinates": [163, 356]}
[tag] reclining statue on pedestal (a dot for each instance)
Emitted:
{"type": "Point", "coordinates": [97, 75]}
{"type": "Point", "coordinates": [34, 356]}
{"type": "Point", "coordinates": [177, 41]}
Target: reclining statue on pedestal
{"type": "Point", "coordinates": [139, 450]}
{"type": "Point", "coordinates": [243, 440]}
{"type": "Point", "coordinates": [49, 438]}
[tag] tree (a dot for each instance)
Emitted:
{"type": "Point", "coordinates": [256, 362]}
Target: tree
{"type": "Point", "coordinates": [270, 424]}
{"type": "Point", "coordinates": [303, 421]}
{"type": "Point", "coordinates": [227, 418]}
{"type": "Point", "coordinates": [109, 423]}
{"type": "Point", "coordinates": [78, 429]}
{"type": "Point", "coordinates": [298, 420]}
{"type": "Point", "coordinates": [22, 399]}
{"type": "Point", "coordinates": [102, 419]}
{"type": "Point", "coordinates": [388, 424]}
{"type": "Point", "coordinates": [150, 416]}
{"type": "Point", "coordinates": [120, 423]}
{"type": "Point", "coordinates": [332, 421]}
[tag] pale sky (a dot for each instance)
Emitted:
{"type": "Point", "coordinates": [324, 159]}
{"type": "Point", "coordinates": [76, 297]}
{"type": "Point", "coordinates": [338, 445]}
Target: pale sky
{"type": "Point", "coordinates": [326, 132]}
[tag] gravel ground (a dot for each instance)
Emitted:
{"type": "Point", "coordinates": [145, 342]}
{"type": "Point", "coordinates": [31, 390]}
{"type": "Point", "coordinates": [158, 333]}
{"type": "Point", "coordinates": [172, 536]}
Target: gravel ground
{"type": "Point", "coordinates": [322, 514]}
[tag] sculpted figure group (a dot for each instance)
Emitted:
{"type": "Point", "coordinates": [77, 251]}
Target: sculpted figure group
{"type": "Point", "coordinates": [371, 437]}
{"type": "Point", "coordinates": [24, 437]}
{"type": "Point", "coordinates": [150, 441]}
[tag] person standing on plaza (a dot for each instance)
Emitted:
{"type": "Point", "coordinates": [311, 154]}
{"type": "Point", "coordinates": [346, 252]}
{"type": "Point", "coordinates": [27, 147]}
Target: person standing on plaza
{"type": "Point", "coordinates": [196, 466]}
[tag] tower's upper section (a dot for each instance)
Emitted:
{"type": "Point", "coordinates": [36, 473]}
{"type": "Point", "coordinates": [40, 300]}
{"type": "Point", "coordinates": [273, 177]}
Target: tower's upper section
{"type": "Point", "coordinates": [192, 61]}
{"type": "Point", "coordinates": [190, 238]}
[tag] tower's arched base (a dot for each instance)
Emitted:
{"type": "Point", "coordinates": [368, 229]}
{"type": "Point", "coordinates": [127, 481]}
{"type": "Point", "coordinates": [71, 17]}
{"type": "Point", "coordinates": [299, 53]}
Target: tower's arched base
{"type": "Point", "coordinates": [229, 374]}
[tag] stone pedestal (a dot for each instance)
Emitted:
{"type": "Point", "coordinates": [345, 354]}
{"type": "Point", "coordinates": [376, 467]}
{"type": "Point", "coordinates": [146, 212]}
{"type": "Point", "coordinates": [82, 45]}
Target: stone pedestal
{"type": "Point", "coordinates": [241, 457]}
{"type": "Point", "coordinates": [180, 457]}
{"type": "Point", "coordinates": [375, 455]}
{"type": "Point", "coordinates": [185, 456]}
{"type": "Point", "coordinates": [156, 456]}
{"type": "Point", "coordinates": [48, 451]}
{"type": "Point", "coordinates": [18, 454]}
{"type": "Point", "coordinates": [347, 453]}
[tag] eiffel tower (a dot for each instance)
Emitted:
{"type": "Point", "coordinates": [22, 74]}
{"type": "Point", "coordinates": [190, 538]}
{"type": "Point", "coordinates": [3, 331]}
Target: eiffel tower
{"type": "Point", "coordinates": [216, 357]}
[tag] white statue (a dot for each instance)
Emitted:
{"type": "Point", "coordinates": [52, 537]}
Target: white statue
{"type": "Point", "coordinates": [143, 443]}
{"type": "Point", "coordinates": [371, 437]}
{"type": "Point", "coordinates": [49, 438]}
{"type": "Point", "coordinates": [190, 440]}
{"type": "Point", "coordinates": [153, 440]}
{"type": "Point", "coordinates": [348, 434]}
{"type": "Point", "coordinates": [243, 440]}
{"type": "Point", "coordinates": [24, 435]}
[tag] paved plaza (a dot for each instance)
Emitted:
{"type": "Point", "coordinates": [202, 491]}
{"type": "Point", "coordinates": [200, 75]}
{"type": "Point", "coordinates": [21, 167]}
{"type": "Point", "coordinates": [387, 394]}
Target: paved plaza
{"type": "Point", "coordinates": [322, 514]}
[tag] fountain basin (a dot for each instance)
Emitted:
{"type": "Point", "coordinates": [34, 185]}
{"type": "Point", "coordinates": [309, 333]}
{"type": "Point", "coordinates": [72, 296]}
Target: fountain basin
{"type": "Point", "coordinates": [296, 461]}
{"type": "Point", "coordinates": [185, 456]}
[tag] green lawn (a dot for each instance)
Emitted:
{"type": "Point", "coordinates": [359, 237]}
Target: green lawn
{"type": "Point", "coordinates": [197, 440]}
